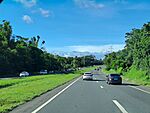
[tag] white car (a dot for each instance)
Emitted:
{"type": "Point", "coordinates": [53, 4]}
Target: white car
{"type": "Point", "coordinates": [43, 72]}
{"type": "Point", "coordinates": [87, 76]}
{"type": "Point", "coordinates": [24, 74]}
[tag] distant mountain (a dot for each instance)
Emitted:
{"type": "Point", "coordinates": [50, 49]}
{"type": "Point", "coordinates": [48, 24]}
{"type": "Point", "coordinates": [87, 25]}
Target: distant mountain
{"type": "Point", "coordinates": [98, 55]}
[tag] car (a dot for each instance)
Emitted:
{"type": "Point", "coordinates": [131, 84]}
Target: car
{"type": "Point", "coordinates": [51, 72]}
{"type": "Point", "coordinates": [43, 72]}
{"type": "Point", "coordinates": [114, 79]}
{"type": "Point", "coordinates": [87, 76]}
{"type": "Point", "coordinates": [24, 74]}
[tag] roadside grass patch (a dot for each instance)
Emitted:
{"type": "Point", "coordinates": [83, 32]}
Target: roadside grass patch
{"type": "Point", "coordinates": [133, 75]}
{"type": "Point", "coordinates": [14, 92]}
{"type": "Point", "coordinates": [108, 72]}
{"type": "Point", "coordinates": [137, 76]}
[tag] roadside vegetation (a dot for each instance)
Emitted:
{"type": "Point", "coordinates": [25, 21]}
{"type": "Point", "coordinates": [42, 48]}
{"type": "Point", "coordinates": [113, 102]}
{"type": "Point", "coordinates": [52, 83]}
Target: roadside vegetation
{"type": "Point", "coordinates": [134, 60]}
{"type": "Point", "coordinates": [20, 90]}
{"type": "Point", "coordinates": [133, 76]}
{"type": "Point", "coordinates": [18, 53]}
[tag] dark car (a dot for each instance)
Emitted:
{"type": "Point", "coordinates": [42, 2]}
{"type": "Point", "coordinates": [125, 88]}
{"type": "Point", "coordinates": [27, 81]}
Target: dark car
{"type": "Point", "coordinates": [114, 79]}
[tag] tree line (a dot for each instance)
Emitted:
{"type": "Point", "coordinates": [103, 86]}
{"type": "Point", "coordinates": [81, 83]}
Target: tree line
{"type": "Point", "coordinates": [136, 52]}
{"type": "Point", "coordinates": [1, 1]}
{"type": "Point", "coordinates": [19, 53]}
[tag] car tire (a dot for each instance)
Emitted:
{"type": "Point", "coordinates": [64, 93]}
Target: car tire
{"type": "Point", "coordinates": [107, 81]}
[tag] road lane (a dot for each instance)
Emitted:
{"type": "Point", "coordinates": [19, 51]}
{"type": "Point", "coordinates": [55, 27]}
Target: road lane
{"type": "Point", "coordinates": [148, 92]}
{"type": "Point", "coordinates": [133, 100]}
{"type": "Point", "coordinates": [51, 99]}
{"type": "Point", "coordinates": [91, 97]}
{"type": "Point", "coordinates": [119, 106]}
{"type": "Point", "coordinates": [82, 97]}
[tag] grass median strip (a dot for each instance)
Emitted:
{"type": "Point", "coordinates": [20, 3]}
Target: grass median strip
{"type": "Point", "coordinates": [21, 90]}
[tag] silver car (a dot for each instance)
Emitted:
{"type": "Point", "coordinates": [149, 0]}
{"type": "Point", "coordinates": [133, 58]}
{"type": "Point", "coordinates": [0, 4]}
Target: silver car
{"type": "Point", "coordinates": [24, 74]}
{"type": "Point", "coordinates": [87, 76]}
{"type": "Point", "coordinates": [42, 72]}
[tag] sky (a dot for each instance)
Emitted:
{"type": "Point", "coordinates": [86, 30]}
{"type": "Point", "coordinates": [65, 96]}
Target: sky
{"type": "Point", "coordinates": [76, 25]}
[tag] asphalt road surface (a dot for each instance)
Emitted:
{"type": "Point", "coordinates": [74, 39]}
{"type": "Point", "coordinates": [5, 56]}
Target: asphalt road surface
{"type": "Point", "coordinates": [94, 97]}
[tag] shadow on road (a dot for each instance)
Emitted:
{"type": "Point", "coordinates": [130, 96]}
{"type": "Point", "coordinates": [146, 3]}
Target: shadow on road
{"type": "Point", "coordinates": [126, 84]}
{"type": "Point", "coordinates": [94, 80]}
{"type": "Point", "coordinates": [129, 84]}
{"type": "Point", "coordinates": [98, 80]}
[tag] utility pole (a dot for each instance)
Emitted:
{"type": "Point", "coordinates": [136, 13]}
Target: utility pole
{"type": "Point", "coordinates": [84, 60]}
{"type": "Point", "coordinates": [110, 50]}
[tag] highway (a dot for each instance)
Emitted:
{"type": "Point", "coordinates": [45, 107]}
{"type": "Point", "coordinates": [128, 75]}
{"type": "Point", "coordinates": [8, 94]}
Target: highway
{"type": "Point", "coordinates": [94, 97]}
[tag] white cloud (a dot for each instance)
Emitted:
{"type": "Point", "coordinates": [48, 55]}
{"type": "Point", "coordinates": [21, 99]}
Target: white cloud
{"type": "Point", "coordinates": [79, 50]}
{"type": "Point", "coordinates": [27, 3]}
{"type": "Point", "coordinates": [31, 3]}
{"type": "Point", "coordinates": [27, 19]}
{"type": "Point", "coordinates": [45, 13]}
{"type": "Point", "coordinates": [100, 49]}
{"type": "Point", "coordinates": [91, 4]}
{"type": "Point", "coordinates": [90, 48]}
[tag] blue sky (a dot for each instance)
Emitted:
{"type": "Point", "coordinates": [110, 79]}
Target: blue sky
{"type": "Point", "coordinates": [76, 25]}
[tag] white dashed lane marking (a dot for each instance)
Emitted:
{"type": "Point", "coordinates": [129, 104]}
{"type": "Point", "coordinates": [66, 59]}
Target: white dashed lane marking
{"type": "Point", "coordinates": [102, 87]}
{"type": "Point", "coordinates": [119, 106]}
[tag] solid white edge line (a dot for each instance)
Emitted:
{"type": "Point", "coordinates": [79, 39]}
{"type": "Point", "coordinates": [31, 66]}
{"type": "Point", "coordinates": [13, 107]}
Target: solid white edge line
{"type": "Point", "coordinates": [43, 105]}
{"type": "Point", "coordinates": [119, 106]}
{"type": "Point", "coordinates": [139, 89]}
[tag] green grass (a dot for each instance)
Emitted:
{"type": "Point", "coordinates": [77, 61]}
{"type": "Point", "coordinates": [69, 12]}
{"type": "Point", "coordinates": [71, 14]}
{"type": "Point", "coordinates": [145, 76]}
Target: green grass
{"type": "Point", "coordinates": [137, 76]}
{"type": "Point", "coordinates": [110, 71]}
{"type": "Point", "coordinates": [133, 75]}
{"type": "Point", "coordinates": [14, 92]}
{"type": "Point", "coordinates": [85, 70]}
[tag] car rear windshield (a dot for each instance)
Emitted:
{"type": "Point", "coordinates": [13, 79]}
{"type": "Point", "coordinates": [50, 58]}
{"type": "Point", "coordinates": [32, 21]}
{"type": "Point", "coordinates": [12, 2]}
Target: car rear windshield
{"type": "Point", "coordinates": [88, 73]}
{"type": "Point", "coordinates": [114, 75]}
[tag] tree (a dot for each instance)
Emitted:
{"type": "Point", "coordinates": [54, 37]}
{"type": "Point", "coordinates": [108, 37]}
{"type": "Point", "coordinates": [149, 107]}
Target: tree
{"type": "Point", "coordinates": [18, 53]}
{"type": "Point", "coordinates": [136, 52]}
{"type": "Point", "coordinates": [1, 1]}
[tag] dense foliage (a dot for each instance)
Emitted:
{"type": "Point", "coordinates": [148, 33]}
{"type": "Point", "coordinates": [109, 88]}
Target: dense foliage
{"type": "Point", "coordinates": [18, 54]}
{"type": "Point", "coordinates": [1, 1]}
{"type": "Point", "coordinates": [135, 54]}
